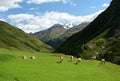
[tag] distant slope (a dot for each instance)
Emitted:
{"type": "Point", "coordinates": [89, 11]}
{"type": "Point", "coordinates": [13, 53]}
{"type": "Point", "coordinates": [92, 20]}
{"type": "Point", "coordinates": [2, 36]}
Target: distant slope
{"type": "Point", "coordinates": [57, 34]}
{"type": "Point", "coordinates": [103, 31]}
{"type": "Point", "coordinates": [50, 34]}
{"type": "Point", "coordinates": [15, 39]}
{"type": "Point", "coordinates": [73, 30]}
{"type": "Point", "coordinates": [58, 41]}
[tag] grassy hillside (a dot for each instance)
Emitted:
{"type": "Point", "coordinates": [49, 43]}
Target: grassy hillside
{"type": "Point", "coordinates": [96, 35]}
{"type": "Point", "coordinates": [46, 68]}
{"type": "Point", "coordinates": [13, 38]}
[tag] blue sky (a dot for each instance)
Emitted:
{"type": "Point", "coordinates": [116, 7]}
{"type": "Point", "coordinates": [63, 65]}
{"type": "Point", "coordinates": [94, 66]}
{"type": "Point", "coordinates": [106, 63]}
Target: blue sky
{"type": "Point", "coordinates": [36, 15]}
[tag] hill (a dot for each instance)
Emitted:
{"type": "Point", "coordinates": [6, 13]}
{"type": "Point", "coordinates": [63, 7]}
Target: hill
{"type": "Point", "coordinates": [13, 38]}
{"type": "Point", "coordinates": [50, 34]}
{"type": "Point", "coordinates": [46, 68]}
{"type": "Point", "coordinates": [73, 30]}
{"type": "Point", "coordinates": [57, 34]}
{"type": "Point", "coordinates": [103, 32]}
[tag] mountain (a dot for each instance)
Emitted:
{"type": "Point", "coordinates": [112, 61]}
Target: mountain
{"type": "Point", "coordinates": [13, 38]}
{"type": "Point", "coordinates": [101, 37]}
{"type": "Point", "coordinates": [58, 41]}
{"type": "Point", "coordinates": [57, 34]}
{"type": "Point", "coordinates": [50, 34]}
{"type": "Point", "coordinates": [73, 30]}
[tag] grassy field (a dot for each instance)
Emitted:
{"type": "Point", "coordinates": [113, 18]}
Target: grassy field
{"type": "Point", "coordinates": [46, 68]}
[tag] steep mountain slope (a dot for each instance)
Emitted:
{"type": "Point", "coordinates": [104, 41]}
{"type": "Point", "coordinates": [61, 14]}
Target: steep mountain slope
{"type": "Point", "coordinates": [15, 39]}
{"type": "Point", "coordinates": [73, 30]}
{"type": "Point", "coordinates": [57, 34]}
{"type": "Point", "coordinates": [50, 34]}
{"type": "Point", "coordinates": [101, 32]}
{"type": "Point", "coordinates": [58, 41]}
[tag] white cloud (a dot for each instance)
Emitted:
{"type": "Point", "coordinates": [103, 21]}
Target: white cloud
{"type": "Point", "coordinates": [65, 1]}
{"type": "Point", "coordinates": [33, 23]}
{"type": "Point", "coordinates": [33, 9]}
{"type": "Point", "coordinates": [3, 9]}
{"type": "Point", "coordinates": [28, 27]}
{"type": "Point", "coordinates": [73, 4]}
{"type": "Point", "coordinates": [5, 5]}
{"type": "Point", "coordinates": [20, 17]}
{"type": "Point", "coordinates": [49, 1]}
{"type": "Point", "coordinates": [2, 20]}
{"type": "Point", "coordinates": [105, 5]}
{"type": "Point", "coordinates": [45, 1]}
{"type": "Point", "coordinates": [92, 7]}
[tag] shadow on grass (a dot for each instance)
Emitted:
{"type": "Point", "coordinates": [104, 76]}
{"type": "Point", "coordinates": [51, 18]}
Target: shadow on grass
{"type": "Point", "coordinates": [16, 79]}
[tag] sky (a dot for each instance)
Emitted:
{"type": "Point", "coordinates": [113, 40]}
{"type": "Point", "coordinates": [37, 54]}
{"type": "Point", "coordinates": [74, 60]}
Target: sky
{"type": "Point", "coordinates": [36, 15]}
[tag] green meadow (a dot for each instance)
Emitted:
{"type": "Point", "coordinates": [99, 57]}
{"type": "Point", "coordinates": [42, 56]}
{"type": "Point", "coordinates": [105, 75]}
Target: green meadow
{"type": "Point", "coordinates": [46, 67]}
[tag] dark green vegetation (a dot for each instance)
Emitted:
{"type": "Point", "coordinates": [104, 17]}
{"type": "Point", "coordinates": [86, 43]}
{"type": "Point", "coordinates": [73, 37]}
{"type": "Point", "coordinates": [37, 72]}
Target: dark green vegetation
{"type": "Point", "coordinates": [46, 68]}
{"type": "Point", "coordinates": [102, 36]}
{"type": "Point", "coordinates": [13, 38]}
{"type": "Point", "coordinates": [57, 34]}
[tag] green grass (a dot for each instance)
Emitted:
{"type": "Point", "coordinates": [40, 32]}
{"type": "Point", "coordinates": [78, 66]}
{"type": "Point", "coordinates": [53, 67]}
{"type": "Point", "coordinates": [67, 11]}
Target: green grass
{"type": "Point", "coordinates": [13, 38]}
{"type": "Point", "coordinates": [46, 68]}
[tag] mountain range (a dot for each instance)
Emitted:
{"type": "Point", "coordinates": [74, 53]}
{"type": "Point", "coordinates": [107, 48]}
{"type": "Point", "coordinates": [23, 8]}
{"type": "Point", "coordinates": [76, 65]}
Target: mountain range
{"type": "Point", "coordinates": [57, 34]}
{"type": "Point", "coordinates": [12, 38]}
{"type": "Point", "coordinates": [101, 37]}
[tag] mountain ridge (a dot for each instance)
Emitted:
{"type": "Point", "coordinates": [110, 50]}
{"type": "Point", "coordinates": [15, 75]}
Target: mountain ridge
{"type": "Point", "coordinates": [51, 33]}
{"type": "Point", "coordinates": [63, 33]}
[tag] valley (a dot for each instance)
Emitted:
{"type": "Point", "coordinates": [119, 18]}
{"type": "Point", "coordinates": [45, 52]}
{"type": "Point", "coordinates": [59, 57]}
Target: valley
{"type": "Point", "coordinates": [46, 68]}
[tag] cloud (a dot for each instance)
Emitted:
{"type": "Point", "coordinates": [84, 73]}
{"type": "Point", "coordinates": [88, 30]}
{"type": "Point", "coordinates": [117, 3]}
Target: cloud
{"type": "Point", "coordinates": [45, 1]}
{"type": "Point", "coordinates": [2, 20]}
{"type": "Point", "coordinates": [92, 7]}
{"type": "Point", "coordinates": [5, 5]}
{"type": "Point", "coordinates": [49, 1]}
{"type": "Point", "coordinates": [34, 23]}
{"type": "Point", "coordinates": [20, 17]}
{"type": "Point", "coordinates": [33, 9]}
{"type": "Point", "coordinates": [73, 4]}
{"type": "Point", "coordinates": [105, 5]}
{"type": "Point", "coordinates": [65, 1]}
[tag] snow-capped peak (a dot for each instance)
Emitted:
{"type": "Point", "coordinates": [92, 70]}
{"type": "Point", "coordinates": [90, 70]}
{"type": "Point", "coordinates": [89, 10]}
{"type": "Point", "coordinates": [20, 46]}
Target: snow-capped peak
{"type": "Point", "coordinates": [68, 25]}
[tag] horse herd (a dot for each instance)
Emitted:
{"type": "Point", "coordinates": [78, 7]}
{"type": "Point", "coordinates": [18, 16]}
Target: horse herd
{"type": "Point", "coordinates": [24, 57]}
